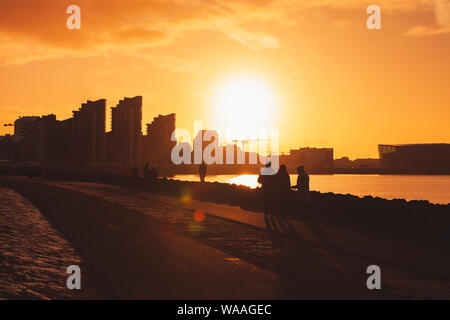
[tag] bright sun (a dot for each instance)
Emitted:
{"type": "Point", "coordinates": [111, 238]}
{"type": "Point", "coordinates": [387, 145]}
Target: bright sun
{"type": "Point", "coordinates": [244, 103]}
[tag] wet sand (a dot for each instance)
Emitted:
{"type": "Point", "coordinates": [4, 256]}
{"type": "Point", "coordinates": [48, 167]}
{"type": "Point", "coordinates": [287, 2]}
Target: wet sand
{"type": "Point", "coordinates": [34, 256]}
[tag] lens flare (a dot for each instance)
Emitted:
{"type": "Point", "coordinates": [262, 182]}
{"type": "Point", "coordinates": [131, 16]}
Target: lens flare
{"type": "Point", "coordinates": [199, 215]}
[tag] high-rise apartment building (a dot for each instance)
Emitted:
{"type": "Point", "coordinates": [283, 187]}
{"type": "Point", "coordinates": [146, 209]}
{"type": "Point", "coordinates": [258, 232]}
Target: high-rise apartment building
{"type": "Point", "coordinates": [89, 132]}
{"type": "Point", "coordinates": [126, 131]}
{"type": "Point", "coordinates": [157, 143]}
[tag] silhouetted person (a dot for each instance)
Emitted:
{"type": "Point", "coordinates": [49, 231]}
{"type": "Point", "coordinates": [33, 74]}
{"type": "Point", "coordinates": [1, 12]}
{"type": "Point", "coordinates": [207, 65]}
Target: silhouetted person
{"type": "Point", "coordinates": [268, 188]}
{"type": "Point", "coordinates": [135, 173]}
{"type": "Point", "coordinates": [146, 172]}
{"type": "Point", "coordinates": [283, 186]}
{"type": "Point", "coordinates": [153, 174]}
{"type": "Point", "coordinates": [302, 187]}
{"type": "Point", "coordinates": [202, 171]}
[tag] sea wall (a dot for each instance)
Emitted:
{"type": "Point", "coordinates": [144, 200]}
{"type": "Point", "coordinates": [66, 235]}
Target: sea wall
{"type": "Point", "coordinates": [417, 222]}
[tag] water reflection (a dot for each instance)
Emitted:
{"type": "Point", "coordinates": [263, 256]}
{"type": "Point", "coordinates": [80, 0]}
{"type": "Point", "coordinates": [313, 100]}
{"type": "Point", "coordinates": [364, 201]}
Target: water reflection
{"type": "Point", "coordinates": [435, 189]}
{"type": "Point", "coordinates": [249, 180]}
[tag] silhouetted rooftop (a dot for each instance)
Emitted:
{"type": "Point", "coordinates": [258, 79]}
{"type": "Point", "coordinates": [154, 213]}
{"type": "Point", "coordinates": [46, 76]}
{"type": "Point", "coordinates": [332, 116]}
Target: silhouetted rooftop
{"type": "Point", "coordinates": [416, 144]}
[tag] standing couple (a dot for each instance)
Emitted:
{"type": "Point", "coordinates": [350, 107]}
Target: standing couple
{"type": "Point", "coordinates": [276, 187]}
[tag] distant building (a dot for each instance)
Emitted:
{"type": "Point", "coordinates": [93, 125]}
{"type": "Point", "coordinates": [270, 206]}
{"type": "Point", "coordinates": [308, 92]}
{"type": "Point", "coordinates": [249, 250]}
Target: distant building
{"type": "Point", "coordinates": [367, 163]}
{"type": "Point", "coordinates": [6, 148]}
{"type": "Point", "coordinates": [343, 163]}
{"type": "Point", "coordinates": [89, 132]}
{"type": "Point", "coordinates": [110, 156]}
{"type": "Point", "coordinates": [23, 125]}
{"type": "Point", "coordinates": [157, 143]}
{"type": "Point", "coordinates": [314, 159]}
{"type": "Point", "coordinates": [14, 149]}
{"type": "Point", "coordinates": [126, 131]}
{"type": "Point", "coordinates": [50, 138]}
{"type": "Point", "coordinates": [65, 138]}
{"type": "Point", "coordinates": [31, 132]}
{"type": "Point", "coordinates": [416, 158]}
{"type": "Point", "coordinates": [346, 163]}
{"type": "Point", "coordinates": [230, 153]}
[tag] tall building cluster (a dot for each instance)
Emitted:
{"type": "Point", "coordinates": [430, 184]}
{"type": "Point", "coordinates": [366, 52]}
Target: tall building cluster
{"type": "Point", "coordinates": [82, 139]}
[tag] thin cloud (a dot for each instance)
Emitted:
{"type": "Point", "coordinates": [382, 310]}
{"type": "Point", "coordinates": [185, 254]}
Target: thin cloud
{"type": "Point", "coordinates": [442, 16]}
{"type": "Point", "coordinates": [421, 31]}
{"type": "Point", "coordinates": [253, 40]}
{"type": "Point", "coordinates": [442, 9]}
{"type": "Point", "coordinates": [36, 30]}
{"type": "Point", "coordinates": [176, 64]}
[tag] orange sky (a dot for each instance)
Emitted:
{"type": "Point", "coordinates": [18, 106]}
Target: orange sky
{"type": "Point", "coordinates": [337, 84]}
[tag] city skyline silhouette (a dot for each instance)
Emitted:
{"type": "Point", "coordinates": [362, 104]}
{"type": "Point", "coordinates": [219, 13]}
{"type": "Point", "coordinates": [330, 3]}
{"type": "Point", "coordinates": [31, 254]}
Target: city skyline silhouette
{"type": "Point", "coordinates": [325, 79]}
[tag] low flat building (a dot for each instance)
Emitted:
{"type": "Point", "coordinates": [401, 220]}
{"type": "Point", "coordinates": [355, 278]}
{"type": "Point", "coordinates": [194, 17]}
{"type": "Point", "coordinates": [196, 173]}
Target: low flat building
{"type": "Point", "coordinates": [416, 158]}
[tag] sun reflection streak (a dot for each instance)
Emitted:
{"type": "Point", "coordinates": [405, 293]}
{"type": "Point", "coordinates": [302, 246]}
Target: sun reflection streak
{"type": "Point", "coordinates": [249, 180]}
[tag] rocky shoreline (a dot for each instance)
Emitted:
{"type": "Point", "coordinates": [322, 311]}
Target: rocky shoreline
{"type": "Point", "coordinates": [417, 222]}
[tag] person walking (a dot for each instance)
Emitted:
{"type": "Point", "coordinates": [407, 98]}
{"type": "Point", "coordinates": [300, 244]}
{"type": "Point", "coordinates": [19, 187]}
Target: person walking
{"type": "Point", "coordinates": [302, 187]}
{"type": "Point", "coordinates": [202, 172]}
{"type": "Point", "coordinates": [154, 174]}
{"type": "Point", "coordinates": [268, 188]}
{"type": "Point", "coordinates": [146, 172]}
{"type": "Point", "coordinates": [135, 172]}
{"type": "Point", "coordinates": [135, 175]}
{"type": "Point", "coordinates": [283, 186]}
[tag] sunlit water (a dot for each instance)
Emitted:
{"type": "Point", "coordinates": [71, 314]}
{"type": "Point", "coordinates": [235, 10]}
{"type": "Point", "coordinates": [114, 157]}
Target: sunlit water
{"type": "Point", "coordinates": [435, 189]}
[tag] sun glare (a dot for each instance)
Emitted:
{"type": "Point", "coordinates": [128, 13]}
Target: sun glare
{"type": "Point", "coordinates": [244, 103]}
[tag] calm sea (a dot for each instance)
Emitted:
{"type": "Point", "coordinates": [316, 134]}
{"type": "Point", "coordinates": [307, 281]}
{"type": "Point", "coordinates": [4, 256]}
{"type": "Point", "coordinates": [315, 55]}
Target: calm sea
{"type": "Point", "coordinates": [435, 189]}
